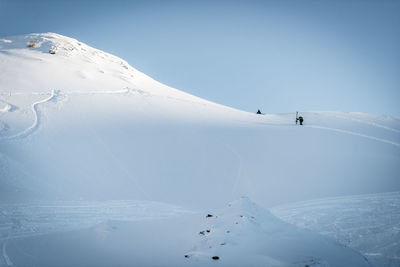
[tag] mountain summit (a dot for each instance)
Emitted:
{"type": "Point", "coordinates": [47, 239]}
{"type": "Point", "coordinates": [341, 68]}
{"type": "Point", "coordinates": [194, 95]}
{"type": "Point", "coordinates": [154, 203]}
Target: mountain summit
{"type": "Point", "coordinates": [52, 61]}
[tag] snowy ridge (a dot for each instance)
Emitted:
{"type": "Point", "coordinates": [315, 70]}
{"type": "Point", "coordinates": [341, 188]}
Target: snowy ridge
{"type": "Point", "coordinates": [242, 228]}
{"type": "Point", "coordinates": [95, 65]}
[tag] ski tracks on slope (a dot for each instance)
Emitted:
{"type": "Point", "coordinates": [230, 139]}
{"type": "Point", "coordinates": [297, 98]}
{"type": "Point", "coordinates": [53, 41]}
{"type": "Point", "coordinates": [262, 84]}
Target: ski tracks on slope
{"type": "Point", "coordinates": [374, 124]}
{"type": "Point", "coordinates": [53, 95]}
{"type": "Point", "coordinates": [355, 134]}
{"type": "Point", "coordinates": [239, 174]}
{"type": "Point", "coordinates": [5, 256]}
{"type": "Point", "coordinates": [36, 117]}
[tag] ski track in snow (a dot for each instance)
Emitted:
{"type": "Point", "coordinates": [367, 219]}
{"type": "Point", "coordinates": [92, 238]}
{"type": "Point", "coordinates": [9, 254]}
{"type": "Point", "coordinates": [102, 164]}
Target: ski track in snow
{"type": "Point", "coordinates": [6, 108]}
{"type": "Point", "coordinates": [123, 91]}
{"type": "Point", "coordinates": [5, 256]}
{"type": "Point", "coordinates": [239, 171]}
{"type": "Point", "coordinates": [36, 121]}
{"type": "Point", "coordinates": [121, 166]}
{"type": "Point", "coordinates": [369, 123]}
{"type": "Point", "coordinates": [34, 107]}
{"type": "Point", "coordinates": [355, 134]}
{"type": "Point", "coordinates": [34, 219]}
{"type": "Point", "coordinates": [44, 217]}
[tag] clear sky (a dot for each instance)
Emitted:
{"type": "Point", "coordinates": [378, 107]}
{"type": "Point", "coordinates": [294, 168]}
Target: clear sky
{"type": "Point", "coordinates": [277, 56]}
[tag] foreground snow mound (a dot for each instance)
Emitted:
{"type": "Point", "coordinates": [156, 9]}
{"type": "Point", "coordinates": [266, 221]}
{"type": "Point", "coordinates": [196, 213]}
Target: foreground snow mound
{"type": "Point", "coordinates": [242, 234]}
{"type": "Point", "coordinates": [245, 234]}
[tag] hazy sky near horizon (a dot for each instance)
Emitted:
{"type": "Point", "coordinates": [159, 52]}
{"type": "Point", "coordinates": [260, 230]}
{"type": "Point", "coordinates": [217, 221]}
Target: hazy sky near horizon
{"type": "Point", "coordinates": [277, 56]}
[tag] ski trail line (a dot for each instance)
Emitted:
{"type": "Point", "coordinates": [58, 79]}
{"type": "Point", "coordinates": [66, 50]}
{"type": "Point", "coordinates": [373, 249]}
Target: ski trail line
{"type": "Point", "coordinates": [34, 107]}
{"type": "Point", "coordinates": [356, 134]}
{"type": "Point", "coordinates": [99, 92]}
{"type": "Point", "coordinates": [368, 123]}
{"type": "Point", "coordinates": [36, 121]}
{"type": "Point", "coordinates": [239, 171]}
{"type": "Point", "coordinates": [118, 162]}
{"type": "Point", "coordinates": [5, 256]}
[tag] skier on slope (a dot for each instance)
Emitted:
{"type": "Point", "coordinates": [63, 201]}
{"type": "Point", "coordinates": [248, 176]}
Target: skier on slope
{"type": "Point", "coordinates": [301, 120]}
{"type": "Point", "coordinates": [259, 112]}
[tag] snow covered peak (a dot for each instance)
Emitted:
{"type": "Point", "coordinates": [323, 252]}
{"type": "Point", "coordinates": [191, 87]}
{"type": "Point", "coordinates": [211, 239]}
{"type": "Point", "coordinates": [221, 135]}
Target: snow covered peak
{"type": "Point", "coordinates": [56, 44]}
{"type": "Point", "coordinates": [41, 62]}
{"type": "Point", "coordinates": [44, 42]}
{"type": "Point", "coordinates": [55, 61]}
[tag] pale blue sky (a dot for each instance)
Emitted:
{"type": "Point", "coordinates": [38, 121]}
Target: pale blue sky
{"type": "Point", "coordinates": [279, 56]}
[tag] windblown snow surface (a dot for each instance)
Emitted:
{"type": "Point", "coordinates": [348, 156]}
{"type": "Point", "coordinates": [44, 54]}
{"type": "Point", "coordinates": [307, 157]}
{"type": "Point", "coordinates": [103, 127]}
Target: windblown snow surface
{"type": "Point", "coordinates": [367, 223]}
{"type": "Point", "coordinates": [100, 165]}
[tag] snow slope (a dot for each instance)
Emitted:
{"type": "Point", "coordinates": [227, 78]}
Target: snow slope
{"type": "Point", "coordinates": [83, 126]}
{"type": "Point", "coordinates": [367, 223]}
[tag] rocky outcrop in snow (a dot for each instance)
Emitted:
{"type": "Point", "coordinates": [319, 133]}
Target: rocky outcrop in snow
{"type": "Point", "coordinates": [246, 234]}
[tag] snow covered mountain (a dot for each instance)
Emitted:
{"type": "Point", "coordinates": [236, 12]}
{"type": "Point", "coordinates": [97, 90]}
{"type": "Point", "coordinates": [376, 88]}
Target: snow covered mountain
{"type": "Point", "coordinates": [80, 125]}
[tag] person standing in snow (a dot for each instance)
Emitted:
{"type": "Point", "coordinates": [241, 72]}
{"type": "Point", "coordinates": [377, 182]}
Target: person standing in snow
{"type": "Point", "coordinates": [301, 120]}
{"type": "Point", "coordinates": [259, 112]}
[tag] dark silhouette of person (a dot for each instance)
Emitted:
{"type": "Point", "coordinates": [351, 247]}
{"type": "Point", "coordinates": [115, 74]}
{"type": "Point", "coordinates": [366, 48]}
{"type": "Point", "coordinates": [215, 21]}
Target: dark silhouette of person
{"type": "Point", "coordinates": [259, 112]}
{"type": "Point", "coordinates": [301, 120]}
